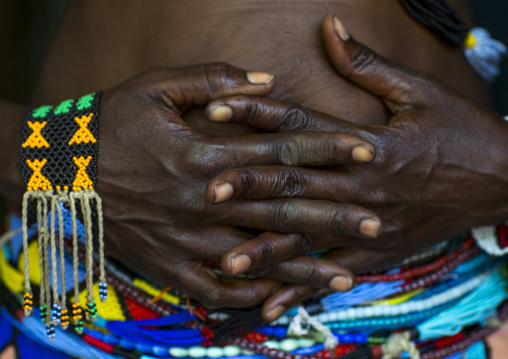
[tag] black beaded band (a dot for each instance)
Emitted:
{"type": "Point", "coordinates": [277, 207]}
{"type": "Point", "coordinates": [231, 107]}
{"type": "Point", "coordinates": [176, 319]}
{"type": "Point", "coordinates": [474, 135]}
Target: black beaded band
{"type": "Point", "coordinates": [59, 168]}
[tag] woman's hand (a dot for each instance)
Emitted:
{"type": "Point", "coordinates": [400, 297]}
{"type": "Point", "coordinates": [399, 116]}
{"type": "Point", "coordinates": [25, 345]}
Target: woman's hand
{"type": "Point", "coordinates": [441, 165]}
{"type": "Point", "coordinates": [153, 170]}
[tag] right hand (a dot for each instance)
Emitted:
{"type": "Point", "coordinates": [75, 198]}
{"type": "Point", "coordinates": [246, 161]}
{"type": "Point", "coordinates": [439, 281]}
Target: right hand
{"type": "Point", "coordinates": [154, 168]}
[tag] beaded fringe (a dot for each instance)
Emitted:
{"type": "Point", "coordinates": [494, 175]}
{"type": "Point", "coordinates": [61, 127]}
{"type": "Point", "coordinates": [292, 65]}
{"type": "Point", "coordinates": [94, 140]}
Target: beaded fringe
{"type": "Point", "coordinates": [53, 309]}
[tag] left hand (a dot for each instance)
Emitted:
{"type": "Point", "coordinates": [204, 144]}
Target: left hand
{"type": "Point", "coordinates": [441, 166]}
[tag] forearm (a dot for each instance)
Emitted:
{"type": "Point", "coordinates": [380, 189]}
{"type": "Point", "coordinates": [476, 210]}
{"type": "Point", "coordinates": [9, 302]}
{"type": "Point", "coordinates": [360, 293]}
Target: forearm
{"type": "Point", "coordinates": [11, 118]}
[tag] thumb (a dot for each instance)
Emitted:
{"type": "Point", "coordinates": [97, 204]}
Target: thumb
{"type": "Point", "coordinates": [399, 87]}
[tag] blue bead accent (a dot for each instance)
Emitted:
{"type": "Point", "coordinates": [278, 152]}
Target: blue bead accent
{"type": "Point", "coordinates": [144, 348]}
{"type": "Point", "coordinates": [111, 339]}
{"type": "Point", "coordinates": [280, 332]}
{"type": "Point", "coordinates": [268, 330]}
{"type": "Point", "coordinates": [127, 344]}
{"type": "Point", "coordinates": [160, 351]}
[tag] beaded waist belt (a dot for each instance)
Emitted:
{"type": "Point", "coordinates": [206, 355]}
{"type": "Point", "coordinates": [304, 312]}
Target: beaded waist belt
{"type": "Point", "coordinates": [437, 303]}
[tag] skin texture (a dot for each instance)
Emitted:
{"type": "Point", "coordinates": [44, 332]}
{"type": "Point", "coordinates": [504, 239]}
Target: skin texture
{"type": "Point", "coordinates": [114, 41]}
{"type": "Point", "coordinates": [416, 187]}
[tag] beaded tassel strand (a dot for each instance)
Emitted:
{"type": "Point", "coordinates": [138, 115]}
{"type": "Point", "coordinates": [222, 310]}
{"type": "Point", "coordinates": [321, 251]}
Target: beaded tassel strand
{"type": "Point", "coordinates": [64, 318]}
{"type": "Point", "coordinates": [77, 316]}
{"type": "Point", "coordinates": [28, 296]}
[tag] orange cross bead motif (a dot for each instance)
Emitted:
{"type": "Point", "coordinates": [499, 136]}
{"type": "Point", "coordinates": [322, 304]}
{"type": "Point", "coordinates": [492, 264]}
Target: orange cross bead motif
{"type": "Point", "coordinates": [36, 140]}
{"type": "Point", "coordinates": [83, 135]}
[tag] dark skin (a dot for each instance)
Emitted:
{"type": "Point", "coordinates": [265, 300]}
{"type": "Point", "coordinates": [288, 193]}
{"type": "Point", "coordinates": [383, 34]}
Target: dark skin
{"type": "Point", "coordinates": [114, 42]}
{"type": "Point", "coordinates": [423, 166]}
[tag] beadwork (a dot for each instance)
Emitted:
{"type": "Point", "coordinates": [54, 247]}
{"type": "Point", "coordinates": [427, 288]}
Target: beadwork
{"type": "Point", "coordinates": [59, 167]}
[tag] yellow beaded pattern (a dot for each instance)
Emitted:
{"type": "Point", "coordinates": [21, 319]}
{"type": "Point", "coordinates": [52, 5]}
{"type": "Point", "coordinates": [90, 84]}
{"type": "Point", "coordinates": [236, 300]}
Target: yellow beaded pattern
{"type": "Point", "coordinates": [82, 180]}
{"type": "Point", "coordinates": [83, 135]}
{"type": "Point", "coordinates": [37, 180]}
{"type": "Point", "coordinates": [35, 140]}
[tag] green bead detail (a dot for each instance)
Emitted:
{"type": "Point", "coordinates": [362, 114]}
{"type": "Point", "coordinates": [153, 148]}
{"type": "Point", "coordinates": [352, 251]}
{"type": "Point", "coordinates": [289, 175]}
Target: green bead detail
{"type": "Point", "coordinates": [41, 111]}
{"type": "Point", "coordinates": [289, 345]}
{"type": "Point", "coordinates": [272, 344]}
{"type": "Point", "coordinates": [214, 352]}
{"type": "Point", "coordinates": [232, 350]}
{"type": "Point", "coordinates": [85, 102]}
{"type": "Point", "coordinates": [197, 352]}
{"type": "Point", "coordinates": [178, 352]}
{"type": "Point", "coordinates": [64, 107]}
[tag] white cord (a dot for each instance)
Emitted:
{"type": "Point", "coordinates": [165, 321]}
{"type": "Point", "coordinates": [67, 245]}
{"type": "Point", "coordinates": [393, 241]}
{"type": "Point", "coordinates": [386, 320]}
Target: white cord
{"type": "Point", "coordinates": [296, 327]}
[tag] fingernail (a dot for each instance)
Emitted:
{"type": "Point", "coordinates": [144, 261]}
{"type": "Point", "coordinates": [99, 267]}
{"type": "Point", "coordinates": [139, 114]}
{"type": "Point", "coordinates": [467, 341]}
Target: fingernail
{"type": "Point", "coordinates": [370, 227]}
{"type": "Point", "coordinates": [259, 78]}
{"type": "Point", "coordinates": [362, 153]}
{"type": "Point", "coordinates": [220, 113]}
{"type": "Point", "coordinates": [240, 263]}
{"type": "Point", "coordinates": [276, 312]}
{"type": "Point", "coordinates": [339, 28]}
{"type": "Point", "coordinates": [341, 283]}
{"type": "Point", "coordinates": [223, 192]}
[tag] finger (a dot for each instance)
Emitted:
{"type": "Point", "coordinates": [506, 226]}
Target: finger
{"type": "Point", "coordinates": [283, 299]}
{"type": "Point", "coordinates": [220, 240]}
{"type": "Point", "coordinates": [358, 260]}
{"type": "Point", "coordinates": [274, 116]}
{"type": "Point", "coordinates": [202, 284]}
{"type": "Point", "coordinates": [311, 272]}
{"type": "Point", "coordinates": [293, 149]}
{"type": "Point", "coordinates": [305, 216]}
{"type": "Point", "coordinates": [398, 86]}
{"type": "Point", "coordinates": [198, 85]}
{"type": "Point", "coordinates": [269, 249]}
{"type": "Point", "coordinates": [266, 182]}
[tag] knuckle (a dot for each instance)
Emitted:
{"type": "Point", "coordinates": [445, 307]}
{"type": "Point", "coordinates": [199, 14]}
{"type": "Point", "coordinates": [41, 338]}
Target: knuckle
{"type": "Point", "coordinates": [249, 183]}
{"type": "Point", "coordinates": [291, 183]}
{"type": "Point", "coordinates": [210, 297]}
{"type": "Point", "coordinates": [252, 113]}
{"type": "Point", "coordinates": [338, 220]}
{"type": "Point", "coordinates": [296, 119]}
{"type": "Point", "coordinates": [283, 217]}
{"type": "Point", "coordinates": [288, 151]}
{"type": "Point", "coordinates": [332, 150]}
{"type": "Point", "coordinates": [361, 58]}
{"type": "Point", "coordinates": [312, 275]}
{"type": "Point", "coordinates": [302, 243]}
{"type": "Point", "coordinates": [264, 271]}
{"type": "Point", "coordinates": [216, 75]}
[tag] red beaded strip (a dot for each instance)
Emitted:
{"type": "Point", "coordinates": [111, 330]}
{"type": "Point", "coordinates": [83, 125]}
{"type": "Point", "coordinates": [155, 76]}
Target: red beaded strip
{"type": "Point", "coordinates": [446, 269]}
{"type": "Point", "coordinates": [417, 271]}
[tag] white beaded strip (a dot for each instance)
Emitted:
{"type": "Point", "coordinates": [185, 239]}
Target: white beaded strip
{"type": "Point", "coordinates": [404, 308]}
{"type": "Point", "coordinates": [287, 345]}
{"type": "Point", "coordinates": [394, 310]}
{"type": "Point", "coordinates": [486, 238]}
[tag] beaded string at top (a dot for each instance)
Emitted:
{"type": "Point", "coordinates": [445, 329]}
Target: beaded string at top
{"type": "Point", "coordinates": [482, 52]}
{"type": "Point", "coordinates": [59, 167]}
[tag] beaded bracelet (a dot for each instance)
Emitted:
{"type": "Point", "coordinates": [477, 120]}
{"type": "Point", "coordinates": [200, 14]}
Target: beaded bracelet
{"type": "Point", "coordinates": [59, 168]}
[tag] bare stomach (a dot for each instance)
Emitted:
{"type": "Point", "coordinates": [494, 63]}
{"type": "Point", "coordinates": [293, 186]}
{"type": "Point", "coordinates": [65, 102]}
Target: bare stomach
{"type": "Point", "coordinates": [100, 44]}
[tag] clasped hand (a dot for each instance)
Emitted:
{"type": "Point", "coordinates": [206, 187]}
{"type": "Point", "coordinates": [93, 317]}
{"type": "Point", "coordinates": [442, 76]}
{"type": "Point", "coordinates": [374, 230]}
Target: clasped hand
{"type": "Point", "coordinates": [440, 168]}
{"type": "Point", "coordinates": [154, 168]}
